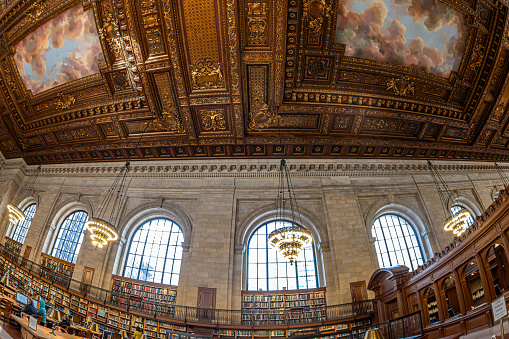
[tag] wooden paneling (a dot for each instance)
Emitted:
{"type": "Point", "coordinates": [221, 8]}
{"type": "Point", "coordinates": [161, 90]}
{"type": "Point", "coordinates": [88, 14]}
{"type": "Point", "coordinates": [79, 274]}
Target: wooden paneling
{"type": "Point", "coordinates": [358, 291]}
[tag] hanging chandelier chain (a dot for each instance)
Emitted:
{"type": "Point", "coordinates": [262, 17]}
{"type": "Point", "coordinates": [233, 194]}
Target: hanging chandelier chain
{"type": "Point", "coordinates": [455, 221]}
{"type": "Point", "coordinates": [121, 196]}
{"type": "Point", "coordinates": [289, 237]}
{"type": "Point", "coordinates": [502, 175]}
{"type": "Point", "coordinates": [104, 229]}
{"type": "Point", "coordinates": [101, 211]}
{"type": "Point", "coordinates": [117, 191]}
{"type": "Point", "coordinates": [28, 188]}
{"type": "Point", "coordinates": [444, 192]}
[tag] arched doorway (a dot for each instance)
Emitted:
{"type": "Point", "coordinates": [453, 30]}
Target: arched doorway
{"type": "Point", "coordinates": [498, 272]}
{"type": "Point", "coordinates": [474, 286]}
{"type": "Point", "coordinates": [451, 297]}
{"type": "Point", "coordinates": [430, 302]}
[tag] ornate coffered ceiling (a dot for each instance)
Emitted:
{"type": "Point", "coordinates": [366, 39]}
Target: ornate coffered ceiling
{"type": "Point", "coordinates": [84, 80]}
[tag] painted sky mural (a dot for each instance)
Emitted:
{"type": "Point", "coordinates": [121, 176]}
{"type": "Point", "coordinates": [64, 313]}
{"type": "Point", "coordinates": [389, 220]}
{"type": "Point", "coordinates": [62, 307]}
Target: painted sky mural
{"type": "Point", "coordinates": [422, 34]}
{"type": "Point", "coordinates": [63, 49]}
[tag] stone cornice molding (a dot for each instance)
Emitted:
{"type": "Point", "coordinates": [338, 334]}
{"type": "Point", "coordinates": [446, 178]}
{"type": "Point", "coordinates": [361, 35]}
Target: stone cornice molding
{"type": "Point", "coordinates": [259, 168]}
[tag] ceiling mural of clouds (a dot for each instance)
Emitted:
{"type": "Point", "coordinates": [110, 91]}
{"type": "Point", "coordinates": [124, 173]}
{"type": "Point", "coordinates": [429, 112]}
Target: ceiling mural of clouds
{"type": "Point", "coordinates": [422, 34]}
{"type": "Point", "coordinates": [63, 49]}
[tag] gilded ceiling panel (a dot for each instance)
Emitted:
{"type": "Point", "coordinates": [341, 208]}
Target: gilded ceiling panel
{"type": "Point", "coordinates": [377, 78]}
{"type": "Point", "coordinates": [63, 49]}
{"type": "Point", "coordinates": [201, 30]}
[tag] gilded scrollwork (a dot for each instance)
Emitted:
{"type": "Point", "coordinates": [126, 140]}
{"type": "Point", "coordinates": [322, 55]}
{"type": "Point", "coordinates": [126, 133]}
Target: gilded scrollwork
{"type": "Point", "coordinates": [148, 6]}
{"type": "Point", "coordinates": [314, 14]}
{"type": "Point", "coordinates": [213, 119]}
{"type": "Point", "coordinates": [206, 74]}
{"type": "Point", "coordinates": [154, 41]}
{"type": "Point", "coordinates": [168, 121]}
{"type": "Point", "coordinates": [35, 11]}
{"type": "Point", "coordinates": [257, 31]}
{"type": "Point", "coordinates": [110, 34]}
{"type": "Point", "coordinates": [256, 8]}
{"type": "Point", "coordinates": [65, 101]}
{"type": "Point", "coordinates": [402, 86]}
{"type": "Point", "coordinates": [261, 116]}
{"type": "Point", "coordinates": [477, 57]}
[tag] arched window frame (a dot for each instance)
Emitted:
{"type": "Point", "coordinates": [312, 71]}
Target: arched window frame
{"type": "Point", "coordinates": [287, 266]}
{"type": "Point", "coordinates": [411, 226]}
{"type": "Point", "coordinates": [15, 233]}
{"type": "Point", "coordinates": [267, 213]}
{"type": "Point", "coordinates": [57, 216]}
{"type": "Point", "coordinates": [141, 214]}
{"type": "Point", "coordinates": [466, 203]}
{"type": "Point", "coordinates": [177, 248]}
{"type": "Point", "coordinates": [78, 242]}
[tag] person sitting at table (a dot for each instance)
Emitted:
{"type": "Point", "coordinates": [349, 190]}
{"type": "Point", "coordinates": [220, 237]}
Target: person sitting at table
{"type": "Point", "coordinates": [65, 321]}
{"type": "Point", "coordinates": [42, 312]}
{"type": "Point", "coordinates": [29, 308]}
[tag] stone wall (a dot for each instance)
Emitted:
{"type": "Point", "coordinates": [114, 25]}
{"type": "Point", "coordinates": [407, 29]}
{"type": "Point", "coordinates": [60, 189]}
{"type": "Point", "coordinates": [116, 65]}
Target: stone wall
{"type": "Point", "coordinates": [218, 203]}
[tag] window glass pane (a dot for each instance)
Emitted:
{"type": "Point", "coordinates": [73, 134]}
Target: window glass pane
{"type": "Point", "coordinates": [70, 237]}
{"type": "Point", "coordinates": [21, 228]}
{"type": "Point", "coordinates": [155, 252]}
{"type": "Point", "coordinates": [396, 242]}
{"type": "Point", "coordinates": [271, 270]}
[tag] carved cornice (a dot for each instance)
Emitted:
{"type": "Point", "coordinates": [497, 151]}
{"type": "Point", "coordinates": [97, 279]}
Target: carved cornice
{"type": "Point", "coordinates": [264, 168]}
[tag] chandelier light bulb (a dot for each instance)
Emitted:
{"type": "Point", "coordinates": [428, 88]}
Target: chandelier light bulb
{"type": "Point", "coordinates": [101, 232]}
{"type": "Point", "coordinates": [15, 214]}
{"type": "Point", "coordinates": [457, 222]}
{"type": "Point", "coordinates": [289, 241]}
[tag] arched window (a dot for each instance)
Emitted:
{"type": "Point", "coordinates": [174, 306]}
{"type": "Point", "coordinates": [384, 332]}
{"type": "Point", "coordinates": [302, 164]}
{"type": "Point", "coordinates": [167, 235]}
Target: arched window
{"type": "Point", "coordinates": [267, 269]}
{"type": "Point", "coordinates": [20, 230]}
{"type": "Point", "coordinates": [155, 252]}
{"type": "Point", "coordinates": [396, 242]}
{"type": "Point", "coordinates": [70, 237]}
{"type": "Point", "coordinates": [457, 208]}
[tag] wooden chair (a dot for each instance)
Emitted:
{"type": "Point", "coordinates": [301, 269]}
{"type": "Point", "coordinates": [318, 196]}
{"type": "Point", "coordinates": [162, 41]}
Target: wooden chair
{"type": "Point", "coordinates": [62, 329]}
{"type": "Point", "coordinates": [5, 312]}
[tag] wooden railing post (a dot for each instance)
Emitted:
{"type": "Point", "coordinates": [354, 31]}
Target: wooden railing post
{"type": "Point", "coordinates": [459, 292]}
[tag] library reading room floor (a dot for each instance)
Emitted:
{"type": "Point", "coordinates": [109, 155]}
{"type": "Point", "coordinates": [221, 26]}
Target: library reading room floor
{"type": "Point", "coordinates": [9, 332]}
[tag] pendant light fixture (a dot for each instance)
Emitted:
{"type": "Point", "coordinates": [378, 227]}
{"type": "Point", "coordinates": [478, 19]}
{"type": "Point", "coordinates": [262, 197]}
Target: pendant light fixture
{"type": "Point", "coordinates": [456, 222]}
{"type": "Point", "coordinates": [289, 238]}
{"type": "Point", "coordinates": [103, 228]}
{"type": "Point", "coordinates": [15, 214]}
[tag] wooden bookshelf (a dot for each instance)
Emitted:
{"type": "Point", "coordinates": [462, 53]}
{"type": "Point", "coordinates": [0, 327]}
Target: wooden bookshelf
{"type": "Point", "coordinates": [115, 318]}
{"type": "Point", "coordinates": [13, 247]}
{"type": "Point", "coordinates": [51, 265]}
{"type": "Point", "coordinates": [283, 307]}
{"type": "Point", "coordinates": [132, 294]}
